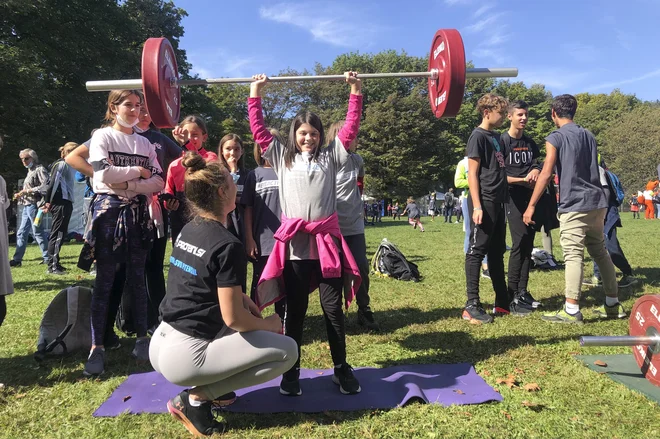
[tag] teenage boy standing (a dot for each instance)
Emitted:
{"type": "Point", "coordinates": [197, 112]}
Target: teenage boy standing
{"type": "Point", "coordinates": [582, 206]}
{"type": "Point", "coordinates": [488, 194]}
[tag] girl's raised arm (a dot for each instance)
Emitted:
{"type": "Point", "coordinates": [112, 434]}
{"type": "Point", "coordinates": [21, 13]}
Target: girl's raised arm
{"type": "Point", "coordinates": [349, 131]}
{"type": "Point", "coordinates": [260, 133]}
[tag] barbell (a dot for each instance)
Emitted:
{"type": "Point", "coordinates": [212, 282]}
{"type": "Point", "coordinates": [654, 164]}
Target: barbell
{"type": "Point", "coordinates": [160, 78]}
{"type": "Point", "coordinates": [644, 329]}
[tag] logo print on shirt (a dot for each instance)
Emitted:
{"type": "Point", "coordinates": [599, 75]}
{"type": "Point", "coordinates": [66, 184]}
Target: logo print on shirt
{"type": "Point", "coordinates": [500, 158]}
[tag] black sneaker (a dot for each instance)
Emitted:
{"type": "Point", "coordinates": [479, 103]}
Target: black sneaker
{"type": "Point", "coordinates": [485, 273]}
{"type": "Point", "coordinates": [55, 271]}
{"type": "Point", "coordinates": [366, 318]}
{"type": "Point", "coordinates": [197, 420]}
{"type": "Point", "coordinates": [14, 263]}
{"type": "Point", "coordinates": [112, 343]}
{"type": "Point", "coordinates": [223, 400]}
{"type": "Point", "coordinates": [290, 384]}
{"type": "Point", "coordinates": [344, 378]}
{"type": "Point", "coordinates": [60, 267]}
{"type": "Point", "coordinates": [525, 297]}
{"type": "Point", "coordinates": [520, 308]}
{"type": "Point", "coordinates": [476, 314]}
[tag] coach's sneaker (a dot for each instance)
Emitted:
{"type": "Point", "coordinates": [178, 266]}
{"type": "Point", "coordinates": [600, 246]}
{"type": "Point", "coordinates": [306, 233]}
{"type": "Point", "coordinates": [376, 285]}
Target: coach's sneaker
{"type": "Point", "coordinates": [562, 316]}
{"type": "Point", "coordinates": [526, 298]}
{"type": "Point", "coordinates": [197, 420]}
{"type": "Point", "coordinates": [13, 263]}
{"type": "Point", "coordinates": [501, 310]}
{"type": "Point", "coordinates": [628, 281]}
{"type": "Point", "coordinates": [344, 378]}
{"type": "Point", "coordinates": [223, 400]}
{"type": "Point", "coordinates": [290, 384]}
{"type": "Point", "coordinates": [485, 273]}
{"type": "Point", "coordinates": [141, 349]}
{"type": "Point", "coordinates": [366, 319]}
{"type": "Point", "coordinates": [611, 312]}
{"type": "Point", "coordinates": [475, 313]}
{"type": "Point", "coordinates": [95, 364]}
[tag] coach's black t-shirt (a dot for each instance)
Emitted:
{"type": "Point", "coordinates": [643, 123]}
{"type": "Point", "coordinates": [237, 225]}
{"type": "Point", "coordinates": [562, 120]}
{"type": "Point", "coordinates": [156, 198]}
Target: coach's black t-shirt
{"type": "Point", "coordinates": [205, 257]}
{"type": "Point", "coordinates": [520, 155]}
{"type": "Point", "coordinates": [485, 145]}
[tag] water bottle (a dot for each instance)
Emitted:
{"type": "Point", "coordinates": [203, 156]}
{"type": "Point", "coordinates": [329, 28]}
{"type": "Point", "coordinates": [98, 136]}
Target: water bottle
{"type": "Point", "coordinates": [37, 219]}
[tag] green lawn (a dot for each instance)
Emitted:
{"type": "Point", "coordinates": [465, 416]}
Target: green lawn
{"type": "Point", "coordinates": [421, 324]}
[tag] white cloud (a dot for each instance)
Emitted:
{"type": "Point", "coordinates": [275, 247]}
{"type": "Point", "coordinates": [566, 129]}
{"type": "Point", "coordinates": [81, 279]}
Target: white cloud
{"type": "Point", "coordinates": [219, 62]}
{"type": "Point", "coordinates": [487, 23]}
{"type": "Point", "coordinates": [624, 39]}
{"type": "Point", "coordinates": [482, 10]}
{"type": "Point", "coordinates": [336, 25]}
{"type": "Point", "coordinates": [581, 52]}
{"type": "Point", "coordinates": [553, 78]}
{"type": "Point", "coordinates": [615, 84]}
{"type": "Point", "coordinates": [457, 2]}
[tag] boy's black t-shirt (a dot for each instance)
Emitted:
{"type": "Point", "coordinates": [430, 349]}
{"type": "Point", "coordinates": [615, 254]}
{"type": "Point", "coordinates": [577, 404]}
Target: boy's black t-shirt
{"type": "Point", "coordinates": [205, 257]}
{"type": "Point", "coordinates": [486, 146]}
{"type": "Point", "coordinates": [520, 155]}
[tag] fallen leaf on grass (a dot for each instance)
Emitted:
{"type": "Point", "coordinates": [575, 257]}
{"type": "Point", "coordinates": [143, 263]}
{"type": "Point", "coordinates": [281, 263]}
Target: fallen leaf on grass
{"type": "Point", "coordinates": [532, 387]}
{"type": "Point", "coordinates": [507, 414]}
{"type": "Point", "coordinates": [600, 363]}
{"type": "Point", "coordinates": [468, 414]}
{"type": "Point", "coordinates": [510, 381]}
{"type": "Point", "coordinates": [519, 371]}
{"type": "Point", "coordinates": [575, 419]}
{"type": "Point", "coordinates": [486, 373]}
{"type": "Point", "coordinates": [459, 391]}
{"type": "Point", "coordinates": [21, 395]}
{"type": "Point", "coordinates": [127, 397]}
{"type": "Point", "coordinates": [79, 277]}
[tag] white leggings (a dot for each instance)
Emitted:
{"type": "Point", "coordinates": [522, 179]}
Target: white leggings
{"type": "Point", "coordinates": [231, 361]}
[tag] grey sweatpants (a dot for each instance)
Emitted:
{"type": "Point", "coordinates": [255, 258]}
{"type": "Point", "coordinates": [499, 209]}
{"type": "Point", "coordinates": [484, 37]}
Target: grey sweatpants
{"type": "Point", "coordinates": [231, 361]}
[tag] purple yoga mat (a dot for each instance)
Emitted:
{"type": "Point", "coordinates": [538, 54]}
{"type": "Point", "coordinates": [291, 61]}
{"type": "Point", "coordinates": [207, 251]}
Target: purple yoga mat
{"type": "Point", "coordinates": [444, 384]}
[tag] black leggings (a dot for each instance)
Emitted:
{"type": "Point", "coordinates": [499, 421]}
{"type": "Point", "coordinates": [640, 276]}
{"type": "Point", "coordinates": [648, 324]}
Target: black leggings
{"type": "Point", "coordinates": [3, 309]}
{"type": "Point", "coordinates": [297, 275]}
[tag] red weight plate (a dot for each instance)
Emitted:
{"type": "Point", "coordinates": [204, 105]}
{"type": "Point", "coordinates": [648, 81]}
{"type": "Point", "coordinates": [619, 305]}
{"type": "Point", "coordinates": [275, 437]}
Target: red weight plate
{"type": "Point", "coordinates": [159, 70]}
{"type": "Point", "coordinates": [448, 58]}
{"type": "Point", "coordinates": [645, 321]}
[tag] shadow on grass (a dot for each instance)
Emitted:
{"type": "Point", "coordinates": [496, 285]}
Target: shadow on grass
{"type": "Point", "coordinates": [53, 283]}
{"type": "Point", "coordinates": [25, 371]}
{"type": "Point", "coordinates": [461, 347]}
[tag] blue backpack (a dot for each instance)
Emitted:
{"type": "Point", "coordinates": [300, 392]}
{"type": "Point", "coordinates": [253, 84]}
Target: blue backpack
{"type": "Point", "coordinates": [615, 187]}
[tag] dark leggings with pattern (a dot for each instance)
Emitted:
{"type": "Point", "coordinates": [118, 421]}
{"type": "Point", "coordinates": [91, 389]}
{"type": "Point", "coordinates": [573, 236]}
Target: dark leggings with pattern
{"type": "Point", "coordinates": [106, 263]}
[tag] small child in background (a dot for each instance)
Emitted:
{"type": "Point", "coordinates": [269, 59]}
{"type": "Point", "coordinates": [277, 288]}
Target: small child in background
{"type": "Point", "coordinates": [261, 200]}
{"type": "Point", "coordinates": [413, 214]}
{"type": "Point", "coordinates": [191, 133]}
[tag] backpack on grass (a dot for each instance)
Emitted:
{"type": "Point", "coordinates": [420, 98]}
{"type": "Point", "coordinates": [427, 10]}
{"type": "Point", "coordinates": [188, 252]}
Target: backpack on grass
{"type": "Point", "coordinates": [65, 326]}
{"type": "Point", "coordinates": [388, 261]}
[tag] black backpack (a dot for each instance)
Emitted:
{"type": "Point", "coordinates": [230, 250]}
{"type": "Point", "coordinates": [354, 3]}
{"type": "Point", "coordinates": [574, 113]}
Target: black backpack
{"type": "Point", "coordinates": [388, 261]}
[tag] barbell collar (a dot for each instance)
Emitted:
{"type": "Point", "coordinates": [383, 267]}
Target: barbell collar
{"type": "Point", "coordinates": [136, 84]}
{"type": "Point", "coordinates": [624, 340]}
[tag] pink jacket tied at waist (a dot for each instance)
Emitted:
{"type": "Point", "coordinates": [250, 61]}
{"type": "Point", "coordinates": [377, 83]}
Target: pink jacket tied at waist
{"type": "Point", "coordinates": [271, 286]}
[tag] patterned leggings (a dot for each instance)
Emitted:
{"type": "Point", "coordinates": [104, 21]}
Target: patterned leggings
{"type": "Point", "coordinates": [106, 263]}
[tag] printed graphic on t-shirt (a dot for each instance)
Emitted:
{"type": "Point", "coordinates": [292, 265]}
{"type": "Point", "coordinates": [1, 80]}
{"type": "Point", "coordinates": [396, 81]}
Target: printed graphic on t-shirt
{"type": "Point", "coordinates": [192, 249]}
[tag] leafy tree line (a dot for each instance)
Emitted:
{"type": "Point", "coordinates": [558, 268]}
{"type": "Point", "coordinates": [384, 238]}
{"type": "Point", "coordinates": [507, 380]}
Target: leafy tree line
{"type": "Point", "coordinates": [49, 48]}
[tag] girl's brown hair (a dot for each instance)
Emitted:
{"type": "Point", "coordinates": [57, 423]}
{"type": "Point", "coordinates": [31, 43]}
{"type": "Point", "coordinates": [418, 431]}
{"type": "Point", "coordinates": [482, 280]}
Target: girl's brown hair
{"type": "Point", "coordinates": [116, 97]}
{"type": "Point", "coordinates": [256, 151]}
{"type": "Point", "coordinates": [228, 138]}
{"type": "Point", "coordinates": [202, 181]}
{"type": "Point", "coordinates": [334, 130]}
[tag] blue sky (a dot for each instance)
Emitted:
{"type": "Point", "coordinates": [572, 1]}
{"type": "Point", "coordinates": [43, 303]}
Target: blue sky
{"type": "Point", "coordinates": [570, 46]}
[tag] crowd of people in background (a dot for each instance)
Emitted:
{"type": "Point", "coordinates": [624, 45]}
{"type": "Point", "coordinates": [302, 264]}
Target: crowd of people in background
{"type": "Point", "coordinates": [300, 218]}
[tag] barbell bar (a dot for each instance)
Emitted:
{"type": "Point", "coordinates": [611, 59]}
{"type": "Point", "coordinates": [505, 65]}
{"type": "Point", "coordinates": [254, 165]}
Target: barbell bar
{"type": "Point", "coordinates": [136, 84]}
{"type": "Point", "coordinates": [160, 81]}
{"type": "Point", "coordinates": [644, 330]}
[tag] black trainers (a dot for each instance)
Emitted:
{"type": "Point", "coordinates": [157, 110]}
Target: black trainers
{"type": "Point", "coordinates": [60, 267]}
{"type": "Point", "coordinates": [475, 313]}
{"type": "Point", "coordinates": [525, 297]}
{"type": "Point", "coordinates": [197, 420]}
{"type": "Point", "coordinates": [223, 400]}
{"type": "Point", "coordinates": [112, 342]}
{"type": "Point", "coordinates": [290, 384]}
{"type": "Point", "coordinates": [485, 274]}
{"type": "Point", "coordinates": [95, 364]}
{"type": "Point", "coordinates": [520, 308]}
{"type": "Point", "coordinates": [366, 318]}
{"type": "Point", "coordinates": [14, 263]}
{"type": "Point", "coordinates": [500, 311]}
{"type": "Point", "coordinates": [344, 378]}
{"type": "Point", "coordinates": [56, 271]}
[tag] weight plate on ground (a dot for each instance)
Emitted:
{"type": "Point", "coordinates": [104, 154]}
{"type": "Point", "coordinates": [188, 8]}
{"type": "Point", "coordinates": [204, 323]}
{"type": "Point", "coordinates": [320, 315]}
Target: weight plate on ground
{"type": "Point", "coordinates": [645, 320]}
{"type": "Point", "coordinates": [448, 58]}
{"type": "Point", "coordinates": [159, 78]}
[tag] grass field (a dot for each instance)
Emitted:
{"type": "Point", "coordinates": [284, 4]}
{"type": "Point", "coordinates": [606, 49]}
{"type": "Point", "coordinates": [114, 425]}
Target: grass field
{"type": "Point", "coordinates": [421, 324]}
